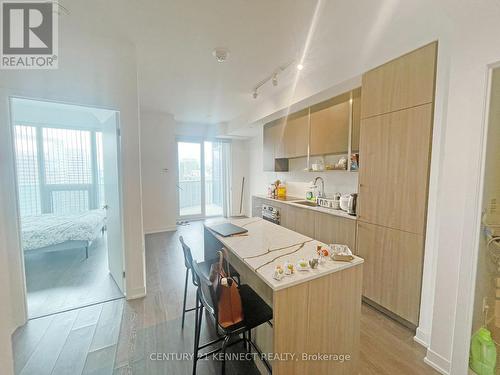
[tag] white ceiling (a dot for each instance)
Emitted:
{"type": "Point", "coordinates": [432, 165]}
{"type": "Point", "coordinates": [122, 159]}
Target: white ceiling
{"type": "Point", "coordinates": [175, 40]}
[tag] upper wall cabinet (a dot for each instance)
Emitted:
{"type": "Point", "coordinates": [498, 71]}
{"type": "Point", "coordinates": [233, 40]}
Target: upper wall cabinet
{"type": "Point", "coordinates": [273, 160]}
{"type": "Point", "coordinates": [356, 119]}
{"type": "Point", "coordinates": [330, 126]}
{"type": "Point", "coordinates": [295, 135]}
{"type": "Point", "coordinates": [393, 179]}
{"type": "Point", "coordinates": [402, 83]}
{"type": "Point", "coordinates": [327, 128]}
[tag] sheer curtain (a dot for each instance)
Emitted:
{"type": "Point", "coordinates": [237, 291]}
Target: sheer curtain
{"type": "Point", "coordinates": [59, 170]}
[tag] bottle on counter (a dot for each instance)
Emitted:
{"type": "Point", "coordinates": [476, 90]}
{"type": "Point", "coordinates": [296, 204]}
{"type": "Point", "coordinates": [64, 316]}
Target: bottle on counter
{"type": "Point", "coordinates": [271, 190]}
{"type": "Point", "coordinates": [281, 190]}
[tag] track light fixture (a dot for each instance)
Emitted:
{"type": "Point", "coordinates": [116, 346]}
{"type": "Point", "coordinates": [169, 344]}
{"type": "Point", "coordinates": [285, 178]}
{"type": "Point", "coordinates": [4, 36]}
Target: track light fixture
{"type": "Point", "coordinates": [273, 78]}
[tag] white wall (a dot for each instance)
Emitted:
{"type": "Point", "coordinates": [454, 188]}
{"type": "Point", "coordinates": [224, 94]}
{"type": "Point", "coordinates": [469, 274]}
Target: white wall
{"type": "Point", "coordinates": [159, 132]}
{"type": "Point", "coordinates": [95, 72]}
{"type": "Point", "coordinates": [240, 159]}
{"type": "Point", "coordinates": [485, 277]}
{"type": "Point", "coordinates": [159, 187]}
{"type": "Point", "coordinates": [468, 41]}
{"type": "Point", "coordinates": [6, 358]}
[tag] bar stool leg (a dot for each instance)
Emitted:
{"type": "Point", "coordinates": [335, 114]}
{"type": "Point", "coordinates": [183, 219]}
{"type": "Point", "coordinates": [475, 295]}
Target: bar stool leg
{"type": "Point", "coordinates": [249, 340]}
{"type": "Point", "coordinates": [245, 342]}
{"type": "Point", "coordinates": [185, 294]}
{"type": "Point", "coordinates": [197, 331]}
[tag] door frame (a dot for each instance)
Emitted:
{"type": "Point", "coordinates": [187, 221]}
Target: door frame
{"type": "Point", "coordinates": [225, 177]}
{"type": "Point", "coordinates": [468, 266]}
{"type": "Point", "coordinates": [8, 96]}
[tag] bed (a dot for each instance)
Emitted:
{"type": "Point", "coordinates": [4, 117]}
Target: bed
{"type": "Point", "coordinates": [53, 232]}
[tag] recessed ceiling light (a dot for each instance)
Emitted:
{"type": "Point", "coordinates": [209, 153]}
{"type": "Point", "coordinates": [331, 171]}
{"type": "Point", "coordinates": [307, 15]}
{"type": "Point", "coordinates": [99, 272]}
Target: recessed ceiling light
{"type": "Point", "coordinates": [300, 67]}
{"type": "Point", "coordinates": [220, 54]}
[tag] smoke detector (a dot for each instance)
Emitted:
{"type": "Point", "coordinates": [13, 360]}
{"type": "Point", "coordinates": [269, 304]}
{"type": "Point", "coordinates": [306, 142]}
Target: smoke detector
{"type": "Point", "coordinates": [220, 54]}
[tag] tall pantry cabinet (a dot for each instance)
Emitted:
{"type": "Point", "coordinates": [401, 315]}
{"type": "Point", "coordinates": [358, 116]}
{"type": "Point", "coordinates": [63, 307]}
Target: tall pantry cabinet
{"type": "Point", "coordinates": [397, 104]}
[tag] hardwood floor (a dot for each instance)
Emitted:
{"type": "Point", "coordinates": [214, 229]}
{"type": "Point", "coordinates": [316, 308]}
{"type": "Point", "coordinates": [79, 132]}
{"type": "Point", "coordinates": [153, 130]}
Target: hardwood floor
{"type": "Point", "coordinates": [88, 341]}
{"type": "Point", "coordinates": [64, 280]}
{"type": "Point", "coordinates": [82, 341]}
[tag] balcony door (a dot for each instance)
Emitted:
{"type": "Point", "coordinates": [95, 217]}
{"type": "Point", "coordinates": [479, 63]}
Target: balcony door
{"type": "Point", "coordinates": [202, 178]}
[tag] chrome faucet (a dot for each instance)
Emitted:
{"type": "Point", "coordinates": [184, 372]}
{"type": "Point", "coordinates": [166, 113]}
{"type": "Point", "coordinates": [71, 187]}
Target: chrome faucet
{"type": "Point", "coordinates": [322, 192]}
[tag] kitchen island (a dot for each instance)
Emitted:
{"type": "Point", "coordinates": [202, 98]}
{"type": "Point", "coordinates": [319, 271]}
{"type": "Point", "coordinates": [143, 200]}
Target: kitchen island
{"type": "Point", "coordinates": [316, 313]}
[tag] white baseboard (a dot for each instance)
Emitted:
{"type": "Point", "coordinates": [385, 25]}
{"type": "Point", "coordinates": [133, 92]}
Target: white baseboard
{"type": "Point", "coordinates": [136, 293]}
{"type": "Point", "coordinates": [437, 362]}
{"type": "Point", "coordinates": [422, 338]}
{"type": "Point", "coordinates": [171, 228]}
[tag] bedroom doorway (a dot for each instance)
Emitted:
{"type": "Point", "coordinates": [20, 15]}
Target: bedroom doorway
{"type": "Point", "coordinates": [69, 204]}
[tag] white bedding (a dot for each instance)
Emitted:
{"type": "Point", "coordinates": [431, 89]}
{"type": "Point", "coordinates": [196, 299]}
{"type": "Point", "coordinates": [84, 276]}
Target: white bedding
{"type": "Point", "coordinates": [49, 229]}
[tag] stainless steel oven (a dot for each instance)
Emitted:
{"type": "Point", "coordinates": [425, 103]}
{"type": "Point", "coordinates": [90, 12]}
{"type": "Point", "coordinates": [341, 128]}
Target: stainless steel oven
{"type": "Point", "coordinates": [271, 214]}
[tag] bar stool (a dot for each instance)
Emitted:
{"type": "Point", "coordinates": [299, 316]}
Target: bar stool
{"type": "Point", "coordinates": [204, 266]}
{"type": "Point", "coordinates": [255, 312]}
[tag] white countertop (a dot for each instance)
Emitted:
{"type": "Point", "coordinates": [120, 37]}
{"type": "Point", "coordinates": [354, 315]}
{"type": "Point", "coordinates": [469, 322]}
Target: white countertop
{"type": "Point", "coordinates": [293, 203]}
{"type": "Point", "coordinates": [268, 245]}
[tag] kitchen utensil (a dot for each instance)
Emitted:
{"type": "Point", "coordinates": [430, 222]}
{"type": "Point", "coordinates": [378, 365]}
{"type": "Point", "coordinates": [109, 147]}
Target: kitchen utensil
{"type": "Point", "coordinates": [348, 203]}
{"type": "Point", "coordinates": [344, 202]}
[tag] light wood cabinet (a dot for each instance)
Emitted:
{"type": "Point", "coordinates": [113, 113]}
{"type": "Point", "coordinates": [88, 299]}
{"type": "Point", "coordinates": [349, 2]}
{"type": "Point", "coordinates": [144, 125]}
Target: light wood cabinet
{"type": "Point", "coordinates": [392, 269]}
{"type": "Point", "coordinates": [295, 135]}
{"type": "Point", "coordinates": [325, 128]}
{"type": "Point", "coordinates": [273, 148]}
{"type": "Point", "coordinates": [334, 229]}
{"type": "Point", "coordinates": [320, 226]}
{"type": "Point", "coordinates": [393, 179]}
{"type": "Point", "coordinates": [356, 119]}
{"type": "Point", "coordinates": [395, 145]}
{"type": "Point", "coordinates": [268, 152]}
{"type": "Point", "coordinates": [300, 220]}
{"type": "Point", "coordinates": [405, 82]}
{"type": "Point", "coordinates": [330, 126]}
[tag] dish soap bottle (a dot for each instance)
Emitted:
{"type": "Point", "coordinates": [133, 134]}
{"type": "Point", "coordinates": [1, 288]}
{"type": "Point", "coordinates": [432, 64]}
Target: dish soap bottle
{"type": "Point", "coordinates": [483, 353]}
{"type": "Point", "coordinates": [281, 190]}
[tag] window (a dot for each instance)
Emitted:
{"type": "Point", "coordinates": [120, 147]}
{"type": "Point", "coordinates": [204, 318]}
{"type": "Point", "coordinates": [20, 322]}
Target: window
{"type": "Point", "coordinates": [203, 178]}
{"type": "Point", "coordinates": [27, 170]}
{"type": "Point", "coordinates": [59, 170]}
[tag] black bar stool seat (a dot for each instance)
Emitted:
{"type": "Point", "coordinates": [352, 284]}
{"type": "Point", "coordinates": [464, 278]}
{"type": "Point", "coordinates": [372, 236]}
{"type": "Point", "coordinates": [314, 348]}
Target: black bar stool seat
{"type": "Point", "coordinates": [255, 313]}
{"type": "Point", "coordinates": [255, 310]}
{"type": "Point", "coordinates": [204, 268]}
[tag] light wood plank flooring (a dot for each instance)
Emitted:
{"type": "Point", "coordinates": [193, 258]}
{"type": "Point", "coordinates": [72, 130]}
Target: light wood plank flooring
{"type": "Point", "coordinates": [87, 341]}
{"type": "Point", "coordinates": [63, 280]}
{"type": "Point", "coordinates": [82, 341]}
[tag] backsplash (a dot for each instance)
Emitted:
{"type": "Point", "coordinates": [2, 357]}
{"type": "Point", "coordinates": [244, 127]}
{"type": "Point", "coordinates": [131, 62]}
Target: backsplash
{"type": "Point", "coordinates": [298, 183]}
{"type": "Point", "coordinates": [297, 180]}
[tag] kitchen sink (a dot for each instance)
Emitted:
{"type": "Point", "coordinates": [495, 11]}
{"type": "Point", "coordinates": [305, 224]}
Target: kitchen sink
{"type": "Point", "coordinates": [307, 203]}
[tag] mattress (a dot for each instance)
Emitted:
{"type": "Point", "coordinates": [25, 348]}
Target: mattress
{"type": "Point", "coordinates": [50, 229]}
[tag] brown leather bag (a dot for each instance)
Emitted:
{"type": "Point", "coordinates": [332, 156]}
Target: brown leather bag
{"type": "Point", "coordinates": [228, 295]}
